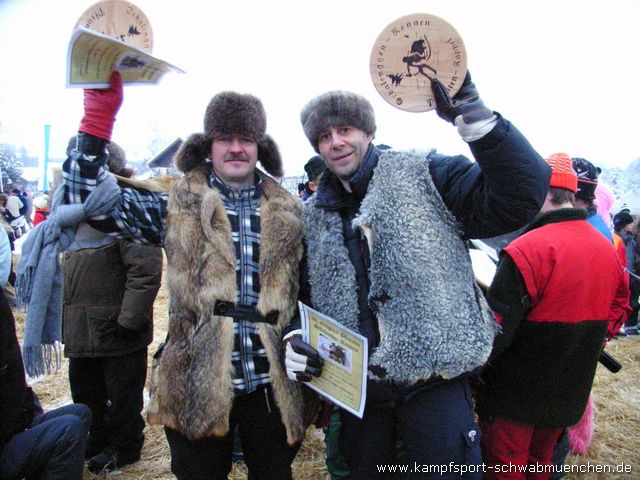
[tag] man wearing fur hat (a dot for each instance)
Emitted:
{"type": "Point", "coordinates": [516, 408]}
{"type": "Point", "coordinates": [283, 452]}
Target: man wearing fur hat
{"type": "Point", "coordinates": [110, 286]}
{"type": "Point", "coordinates": [385, 234]}
{"type": "Point", "coordinates": [233, 238]}
{"type": "Point", "coordinates": [542, 366]}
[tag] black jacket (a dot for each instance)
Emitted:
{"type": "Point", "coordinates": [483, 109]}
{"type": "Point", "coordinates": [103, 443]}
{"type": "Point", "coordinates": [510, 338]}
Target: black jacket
{"type": "Point", "coordinates": [499, 193]}
{"type": "Point", "coordinates": [18, 404]}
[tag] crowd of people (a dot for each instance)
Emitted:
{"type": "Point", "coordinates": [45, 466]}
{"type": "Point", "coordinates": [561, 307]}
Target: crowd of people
{"type": "Point", "coordinates": [378, 241]}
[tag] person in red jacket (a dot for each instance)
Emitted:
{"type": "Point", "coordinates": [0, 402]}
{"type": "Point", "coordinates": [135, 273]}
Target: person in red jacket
{"type": "Point", "coordinates": [554, 324]}
{"type": "Point", "coordinates": [41, 205]}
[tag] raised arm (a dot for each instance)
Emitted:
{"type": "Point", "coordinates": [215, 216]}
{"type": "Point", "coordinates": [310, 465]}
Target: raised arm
{"type": "Point", "coordinates": [506, 186]}
{"type": "Point", "coordinates": [139, 214]}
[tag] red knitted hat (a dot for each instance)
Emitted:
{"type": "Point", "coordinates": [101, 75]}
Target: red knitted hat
{"type": "Point", "coordinates": [562, 173]}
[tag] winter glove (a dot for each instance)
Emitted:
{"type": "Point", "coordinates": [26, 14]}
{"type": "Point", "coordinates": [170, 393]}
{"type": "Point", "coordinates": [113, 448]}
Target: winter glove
{"type": "Point", "coordinates": [301, 359]}
{"type": "Point", "coordinates": [466, 102]}
{"type": "Point", "coordinates": [101, 107]}
{"type": "Point", "coordinates": [118, 331]}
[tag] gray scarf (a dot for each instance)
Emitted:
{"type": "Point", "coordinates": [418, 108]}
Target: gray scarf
{"type": "Point", "coordinates": [39, 277]}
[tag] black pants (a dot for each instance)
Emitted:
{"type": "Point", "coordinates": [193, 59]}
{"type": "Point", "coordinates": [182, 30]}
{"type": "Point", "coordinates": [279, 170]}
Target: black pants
{"type": "Point", "coordinates": [263, 437]}
{"type": "Point", "coordinates": [436, 425]}
{"type": "Point", "coordinates": [112, 387]}
{"type": "Point", "coordinates": [560, 453]}
{"type": "Point", "coordinates": [634, 289]}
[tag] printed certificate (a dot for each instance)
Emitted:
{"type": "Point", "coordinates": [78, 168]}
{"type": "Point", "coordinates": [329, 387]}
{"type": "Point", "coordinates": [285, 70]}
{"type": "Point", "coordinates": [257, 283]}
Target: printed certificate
{"type": "Point", "coordinates": [92, 57]}
{"type": "Point", "coordinates": [344, 375]}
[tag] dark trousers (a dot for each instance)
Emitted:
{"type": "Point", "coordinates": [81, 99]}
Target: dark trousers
{"type": "Point", "coordinates": [51, 449]}
{"type": "Point", "coordinates": [560, 452]}
{"type": "Point", "coordinates": [263, 437]}
{"type": "Point", "coordinates": [112, 387]}
{"type": "Point", "coordinates": [634, 289]}
{"type": "Point", "coordinates": [436, 425]}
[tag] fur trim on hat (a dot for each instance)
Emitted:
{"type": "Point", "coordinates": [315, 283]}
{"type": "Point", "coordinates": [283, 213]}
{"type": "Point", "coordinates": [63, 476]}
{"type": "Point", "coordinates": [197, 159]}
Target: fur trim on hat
{"type": "Point", "coordinates": [192, 153]}
{"type": "Point", "coordinates": [333, 109]}
{"type": "Point", "coordinates": [231, 113]}
{"type": "Point", "coordinates": [269, 157]}
{"type": "Point", "coordinates": [117, 158]}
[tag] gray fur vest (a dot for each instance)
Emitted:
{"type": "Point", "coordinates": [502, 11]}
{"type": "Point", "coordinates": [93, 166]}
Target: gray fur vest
{"type": "Point", "coordinates": [191, 387]}
{"type": "Point", "coordinates": [433, 318]}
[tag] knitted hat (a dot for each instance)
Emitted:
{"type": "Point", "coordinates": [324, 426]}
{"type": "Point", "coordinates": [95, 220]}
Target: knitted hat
{"type": "Point", "coordinates": [334, 109]}
{"type": "Point", "coordinates": [314, 167]}
{"type": "Point", "coordinates": [562, 174]}
{"type": "Point", "coordinates": [621, 220]}
{"type": "Point", "coordinates": [587, 178]}
{"type": "Point", "coordinates": [117, 161]}
{"type": "Point", "coordinates": [231, 113]}
{"type": "Point", "coordinates": [41, 201]}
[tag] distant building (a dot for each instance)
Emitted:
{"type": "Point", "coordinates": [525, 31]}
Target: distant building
{"type": "Point", "coordinates": [165, 158]}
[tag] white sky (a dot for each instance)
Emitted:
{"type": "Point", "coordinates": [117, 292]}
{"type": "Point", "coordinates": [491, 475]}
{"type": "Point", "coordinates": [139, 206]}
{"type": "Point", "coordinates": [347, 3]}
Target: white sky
{"type": "Point", "coordinates": [565, 72]}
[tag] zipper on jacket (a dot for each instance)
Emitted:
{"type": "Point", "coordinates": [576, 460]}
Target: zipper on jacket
{"type": "Point", "coordinates": [266, 397]}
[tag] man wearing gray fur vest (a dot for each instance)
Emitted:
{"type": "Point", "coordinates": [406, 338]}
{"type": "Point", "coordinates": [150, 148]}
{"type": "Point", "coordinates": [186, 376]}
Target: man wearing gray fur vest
{"type": "Point", "coordinates": [386, 235]}
{"type": "Point", "coordinates": [233, 238]}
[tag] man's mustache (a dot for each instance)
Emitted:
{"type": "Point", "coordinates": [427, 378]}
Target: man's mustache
{"type": "Point", "coordinates": [236, 157]}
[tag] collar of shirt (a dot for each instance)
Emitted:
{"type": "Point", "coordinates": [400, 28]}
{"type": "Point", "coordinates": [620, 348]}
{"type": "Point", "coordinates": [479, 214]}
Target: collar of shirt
{"type": "Point", "coordinates": [254, 191]}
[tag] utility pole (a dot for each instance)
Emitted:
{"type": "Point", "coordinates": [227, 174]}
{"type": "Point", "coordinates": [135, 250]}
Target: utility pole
{"type": "Point", "coordinates": [45, 158]}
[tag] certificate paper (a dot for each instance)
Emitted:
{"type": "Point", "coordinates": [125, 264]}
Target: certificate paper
{"type": "Point", "coordinates": [344, 375]}
{"type": "Point", "coordinates": [92, 57]}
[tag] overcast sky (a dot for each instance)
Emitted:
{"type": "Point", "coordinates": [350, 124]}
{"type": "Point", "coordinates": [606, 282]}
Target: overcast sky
{"type": "Point", "coordinates": [566, 73]}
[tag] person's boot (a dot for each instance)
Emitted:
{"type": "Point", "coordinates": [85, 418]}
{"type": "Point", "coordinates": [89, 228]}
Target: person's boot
{"type": "Point", "coordinates": [109, 460]}
{"type": "Point", "coordinates": [93, 448]}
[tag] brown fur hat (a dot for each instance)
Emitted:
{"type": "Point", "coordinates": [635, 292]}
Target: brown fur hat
{"type": "Point", "coordinates": [117, 161]}
{"type": "Point", "coordinates": [231, 113]}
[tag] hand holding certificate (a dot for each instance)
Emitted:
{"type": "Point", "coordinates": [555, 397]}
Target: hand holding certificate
{"type": "Point", "coordinates": [344, 374]}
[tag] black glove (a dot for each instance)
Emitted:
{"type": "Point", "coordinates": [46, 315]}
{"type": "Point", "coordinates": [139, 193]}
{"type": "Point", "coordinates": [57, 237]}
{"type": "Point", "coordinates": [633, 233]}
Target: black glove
{"type": "Point", "coordinates": [466, 102]}
{"type": "Point", "coordinates": [302, 361]}
{"type": "Point", "coordinates": [118, 331]}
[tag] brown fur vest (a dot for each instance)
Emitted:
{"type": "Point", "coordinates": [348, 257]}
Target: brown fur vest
{"type": "Point", "coordinates": [191, 387]}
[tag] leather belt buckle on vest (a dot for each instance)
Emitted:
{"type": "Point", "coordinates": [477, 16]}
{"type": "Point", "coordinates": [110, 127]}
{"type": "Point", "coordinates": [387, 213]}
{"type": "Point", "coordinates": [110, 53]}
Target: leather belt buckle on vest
{"type": "Point", "coordinates": [244, 312]}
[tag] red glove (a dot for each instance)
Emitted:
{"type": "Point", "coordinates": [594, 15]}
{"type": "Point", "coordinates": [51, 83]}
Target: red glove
{"type": "Point", "coordinates": [100, 108]}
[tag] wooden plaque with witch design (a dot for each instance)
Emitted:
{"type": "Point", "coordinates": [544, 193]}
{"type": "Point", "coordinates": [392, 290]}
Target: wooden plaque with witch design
{"type": "Point", "coordinates": [408, 53]}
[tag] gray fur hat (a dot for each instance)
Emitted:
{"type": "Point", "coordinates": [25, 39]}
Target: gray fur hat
{"type": "Point", "coordinates": [336, 108]}
{"type": "Point", "coordinates": [117, 162]}
{"type": "Point", "coordinates": [231, 113]}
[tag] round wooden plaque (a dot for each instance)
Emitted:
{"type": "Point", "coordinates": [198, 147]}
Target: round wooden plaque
{"type": "Point", "coordinates": [408, 53]}
{"type": "Point", "coordinates": [119, 19]}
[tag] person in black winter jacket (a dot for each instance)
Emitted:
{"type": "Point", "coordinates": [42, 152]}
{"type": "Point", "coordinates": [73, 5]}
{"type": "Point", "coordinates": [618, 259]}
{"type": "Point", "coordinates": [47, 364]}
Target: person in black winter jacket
{"type": "Point", "coordinates": [385, 234]}
{"type": "Point", "coordinates": [624, 226]}
{"type": "Point", "coordinates": [34, 444]}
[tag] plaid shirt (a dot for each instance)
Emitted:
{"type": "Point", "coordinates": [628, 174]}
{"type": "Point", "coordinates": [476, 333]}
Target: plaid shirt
{"type": "Point", "coordinates": [140, 215]}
